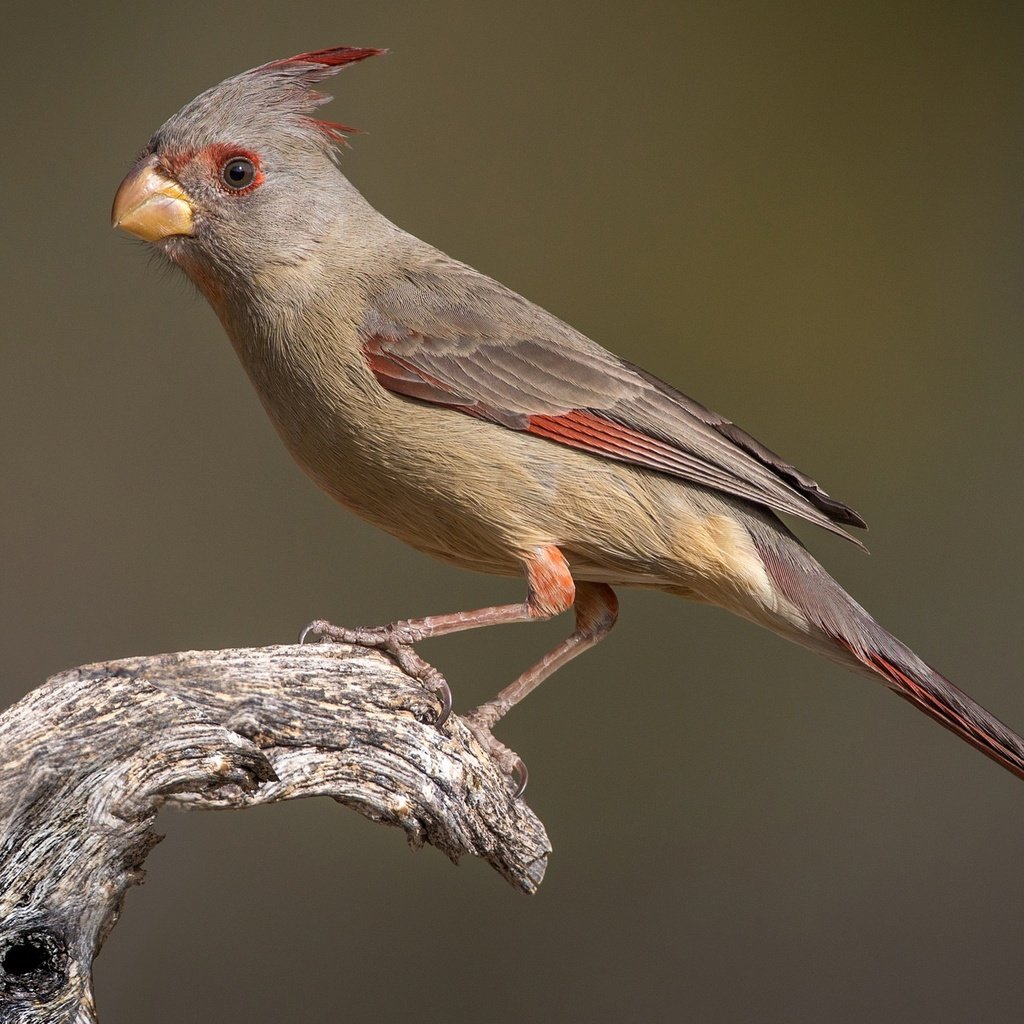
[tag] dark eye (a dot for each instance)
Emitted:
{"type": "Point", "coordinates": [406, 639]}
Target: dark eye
{"type": "Point", "coordinates": [238, 173]}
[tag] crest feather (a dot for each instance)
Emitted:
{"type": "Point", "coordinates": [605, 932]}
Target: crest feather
{"type": "Point", "coordinates": [309, 68]}
{"type": "Point", "coordinates": [330, 61]}
{"type": "Point", "coordinates": [274, 95]}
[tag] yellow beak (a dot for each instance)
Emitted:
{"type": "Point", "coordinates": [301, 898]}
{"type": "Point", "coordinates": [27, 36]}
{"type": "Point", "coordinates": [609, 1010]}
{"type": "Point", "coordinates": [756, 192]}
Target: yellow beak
{"type": "Point", "coordinates": [150, 205]}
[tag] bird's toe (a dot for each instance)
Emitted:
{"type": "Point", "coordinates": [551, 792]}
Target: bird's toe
{"type": "Point", "coordinates": [507, 760]}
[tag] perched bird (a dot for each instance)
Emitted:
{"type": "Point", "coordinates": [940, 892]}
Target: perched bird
{"type": "Point", "coordinates": [477, 427]}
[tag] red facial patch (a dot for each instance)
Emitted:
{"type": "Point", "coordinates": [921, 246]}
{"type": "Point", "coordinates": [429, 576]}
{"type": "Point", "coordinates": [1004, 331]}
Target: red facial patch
{"type": "Point", "coordinates": [175, 162]}
{"type": "Point", "coordinates": [212, 160]}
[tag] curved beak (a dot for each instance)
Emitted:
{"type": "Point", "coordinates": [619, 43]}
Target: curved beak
{"type": "Point", "coordinates": [150, 205]}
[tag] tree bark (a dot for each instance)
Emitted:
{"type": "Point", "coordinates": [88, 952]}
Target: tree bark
{"type": "Point", "coordinates": [88, 758]}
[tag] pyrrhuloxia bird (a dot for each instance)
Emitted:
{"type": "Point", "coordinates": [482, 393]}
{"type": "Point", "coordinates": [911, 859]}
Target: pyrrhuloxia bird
{"type": "Point", "coordinates": [460, 417]}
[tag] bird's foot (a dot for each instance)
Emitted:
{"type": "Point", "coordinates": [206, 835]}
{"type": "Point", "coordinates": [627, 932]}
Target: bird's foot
{"type": "Point", "coordinates": [395, 639]}
{"type": "Point", "coordinates": [480, 720]}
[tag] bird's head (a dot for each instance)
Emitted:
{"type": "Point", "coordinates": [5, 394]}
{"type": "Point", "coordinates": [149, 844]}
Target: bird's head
{"type": "Point", "coordinates": [243, 178]}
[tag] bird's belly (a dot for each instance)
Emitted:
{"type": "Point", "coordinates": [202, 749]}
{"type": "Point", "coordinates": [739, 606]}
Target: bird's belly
{"type": "Point", "coordinates": [426, 477]}
{"type": "Point", "coordinates": [483, 497]}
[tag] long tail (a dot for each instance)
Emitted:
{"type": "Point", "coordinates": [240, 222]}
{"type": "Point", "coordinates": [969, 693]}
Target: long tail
{"type": "Point", "coordinates": [840, 623]}
{"type": "Point", "coordinates": [909, 677]}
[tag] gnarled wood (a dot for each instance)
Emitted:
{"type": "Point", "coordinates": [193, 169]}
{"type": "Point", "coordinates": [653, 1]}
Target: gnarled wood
{"type": "Point", "coordinates": [88, 758]}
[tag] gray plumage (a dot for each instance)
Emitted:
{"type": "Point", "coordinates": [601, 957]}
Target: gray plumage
{"type": "Point", "coordinates": [469, 422]}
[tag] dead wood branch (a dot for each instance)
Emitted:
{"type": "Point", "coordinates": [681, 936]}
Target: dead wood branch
{"type": "Point", "coordinates": [88, 758]}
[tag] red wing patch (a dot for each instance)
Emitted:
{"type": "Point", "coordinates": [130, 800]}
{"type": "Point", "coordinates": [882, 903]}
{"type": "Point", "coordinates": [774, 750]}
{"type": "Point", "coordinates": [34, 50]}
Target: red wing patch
{"type": "Point", "coordinates": [578, 428]}
{"type": "Point", "coordinates": [395, 374]}
{"type": "Point", "coordinates": [592, 432]}
{"type": "Point", "coordinates": [400, 376]}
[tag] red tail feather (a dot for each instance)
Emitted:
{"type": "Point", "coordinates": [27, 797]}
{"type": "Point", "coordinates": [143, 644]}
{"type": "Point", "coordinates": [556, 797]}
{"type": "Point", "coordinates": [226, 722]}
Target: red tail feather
{"type": "Point", "coordinates": [952, 708]}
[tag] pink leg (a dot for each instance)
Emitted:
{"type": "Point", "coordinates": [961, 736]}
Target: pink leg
{"type": "Point", "coordinates": [551, 592]}
{"type": "Point", "coordinates": [596, 612]}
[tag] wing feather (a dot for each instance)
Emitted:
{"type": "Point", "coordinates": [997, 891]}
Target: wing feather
{"type": "Point", "coordinates": [487, 352]}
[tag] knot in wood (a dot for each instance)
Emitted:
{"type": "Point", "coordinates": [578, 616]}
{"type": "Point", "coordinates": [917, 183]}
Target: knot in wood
{"type": "Point", "coordinates": [33, 964]}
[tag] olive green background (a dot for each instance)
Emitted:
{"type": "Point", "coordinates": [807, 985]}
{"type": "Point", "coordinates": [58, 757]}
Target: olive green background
{"type": "Point", "coordinates": [806, 215]}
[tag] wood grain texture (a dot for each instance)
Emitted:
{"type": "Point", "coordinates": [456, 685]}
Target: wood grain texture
{"type": "Point", "coordinates": [88, 758]}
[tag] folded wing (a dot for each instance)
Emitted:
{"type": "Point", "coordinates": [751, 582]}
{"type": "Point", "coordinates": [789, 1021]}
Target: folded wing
{"type": "Point", "coordinates": [487, 352]}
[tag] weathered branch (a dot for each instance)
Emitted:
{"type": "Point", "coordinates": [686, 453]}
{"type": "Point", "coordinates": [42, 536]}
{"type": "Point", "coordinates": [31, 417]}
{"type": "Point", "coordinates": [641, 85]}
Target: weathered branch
{"type": "Point", "coordinates": [90, 756]}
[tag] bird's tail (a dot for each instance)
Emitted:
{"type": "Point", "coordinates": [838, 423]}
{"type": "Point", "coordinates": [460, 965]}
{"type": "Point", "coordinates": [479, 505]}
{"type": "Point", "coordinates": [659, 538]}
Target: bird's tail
{"type": "Point", "coordinates": [839, 622]}
{"type": "Point", "coordinates": [913, 680]}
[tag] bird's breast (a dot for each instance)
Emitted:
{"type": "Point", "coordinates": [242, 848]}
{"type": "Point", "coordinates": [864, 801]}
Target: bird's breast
{"type": "Point", "coordinates": [446, 484]}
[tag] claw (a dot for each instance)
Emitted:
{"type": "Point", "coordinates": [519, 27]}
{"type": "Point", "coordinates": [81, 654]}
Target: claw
{"type": "Point", "coordinates": [308, 630]}
{"type": "Point", "coordinates": [522, 777]}
{"type": "Point", "coordinates": [507, 760]}
{"type": "Point", "coordinates": [444, 694]}
{"type": "Point", "coordinates": [394, 641]}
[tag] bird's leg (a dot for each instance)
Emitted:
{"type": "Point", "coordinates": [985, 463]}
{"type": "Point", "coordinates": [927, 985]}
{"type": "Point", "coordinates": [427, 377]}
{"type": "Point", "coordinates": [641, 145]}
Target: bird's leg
{"type": "Point", "coordinates": [551, 592]}
{"type": "Point", "coordinates": [596, 612]}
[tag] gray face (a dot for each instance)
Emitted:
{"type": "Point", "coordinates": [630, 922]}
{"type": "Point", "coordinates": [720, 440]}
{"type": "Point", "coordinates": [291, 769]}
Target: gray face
{"type": "Point", "coordinates": [242, 179]}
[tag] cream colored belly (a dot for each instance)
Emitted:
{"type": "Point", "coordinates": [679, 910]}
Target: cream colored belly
{"type": "Point", "coordinates": [483, 497]}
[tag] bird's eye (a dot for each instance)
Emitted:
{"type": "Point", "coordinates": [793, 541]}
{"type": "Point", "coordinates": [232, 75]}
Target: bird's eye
{"type": "Point", "coordinates": [238, 173]}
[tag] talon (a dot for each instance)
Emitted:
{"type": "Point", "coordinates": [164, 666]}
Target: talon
{"type": "Point", "coordinates": [443, 692]}
{"type": "Point", "coordinates": [522, 777]}
{"type": "Point", "coordinates": [310, 629]}
{"type": "Point", "coordinates": [507, 760]}
{"type": "Point", "coordinates": [412, 664]}
{"type": "Point", "coordinates": [395, 640]}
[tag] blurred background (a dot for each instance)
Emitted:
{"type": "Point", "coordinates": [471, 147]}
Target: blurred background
{"type": "Point", "coordinates": [806, 215]}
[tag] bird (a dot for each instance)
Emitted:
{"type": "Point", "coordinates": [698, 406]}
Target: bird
{"type": "Point", "coordinates": [465, 420]}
